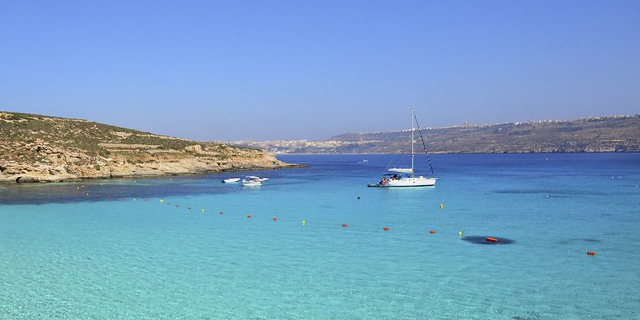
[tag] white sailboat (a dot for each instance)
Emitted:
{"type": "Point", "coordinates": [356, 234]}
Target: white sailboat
{"type": "Point", "coordinates": [405, 177]}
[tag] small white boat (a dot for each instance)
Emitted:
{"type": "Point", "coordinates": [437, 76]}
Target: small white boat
{"type": "Point", "coordinates": [230, 180]}
{"type": "Point", "coordinates": [251, 181]}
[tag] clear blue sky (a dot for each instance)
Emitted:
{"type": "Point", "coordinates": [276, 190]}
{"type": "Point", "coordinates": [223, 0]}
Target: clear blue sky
{"type": "Point", "coordinates": [311, 69]}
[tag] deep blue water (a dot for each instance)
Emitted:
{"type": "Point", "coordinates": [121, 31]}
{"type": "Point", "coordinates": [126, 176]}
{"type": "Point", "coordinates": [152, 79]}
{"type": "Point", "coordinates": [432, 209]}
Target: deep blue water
{"type": "Point", "coordinates": [79, 251]}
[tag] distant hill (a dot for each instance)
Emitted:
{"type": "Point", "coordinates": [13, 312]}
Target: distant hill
{"type": "Point", "coordinates": [598, 134]}
{"type": "Point", "coordinates": [42, 148]}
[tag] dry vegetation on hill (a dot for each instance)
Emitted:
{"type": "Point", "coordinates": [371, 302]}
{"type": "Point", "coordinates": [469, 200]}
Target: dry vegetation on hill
{"type": "Point", "coordinates": [41, 148]}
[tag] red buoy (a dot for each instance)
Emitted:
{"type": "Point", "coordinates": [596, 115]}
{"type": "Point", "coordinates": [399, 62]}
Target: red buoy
{"type": "Point", "coordinates": [385, 228]}
{"type": "Point", "coordinates": [591, 253]}
{"type": "Point", "coordinates": [489, 239]}
{"type": "Point", "coordinates": [344, 225]}
{"type": "Point", "coordinates": [275, 218]}
{"type": "Point", "coordinates": [432, 231]}
{"type": "Point", "coordinates": [221, 212]}
{"type": "Point", "coordinates": [249, 216]}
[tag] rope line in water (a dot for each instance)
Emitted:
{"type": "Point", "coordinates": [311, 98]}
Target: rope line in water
{"type": "Point", "coordinates": [472, 239]}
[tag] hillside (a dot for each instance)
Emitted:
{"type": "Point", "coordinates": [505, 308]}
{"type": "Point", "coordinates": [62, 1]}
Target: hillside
{"type": "Point", "coordinates": [41, 148]}
{"type": "Point", "coordinates": [599, 134]}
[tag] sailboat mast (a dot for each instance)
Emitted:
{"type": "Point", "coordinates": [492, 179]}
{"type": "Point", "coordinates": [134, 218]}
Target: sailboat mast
{"type": "Point", "coordinates": [411, 142]}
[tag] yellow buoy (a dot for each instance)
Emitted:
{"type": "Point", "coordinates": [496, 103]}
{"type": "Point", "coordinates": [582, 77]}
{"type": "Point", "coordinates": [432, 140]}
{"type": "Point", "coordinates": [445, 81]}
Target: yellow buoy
{"type": "Point", "coordinates": [441, 206]}
{"type": "Point", "coordinates": [304, 223]}
{"type": "Point", "coordinates": [202, 210]}
{"type": "Point", "coordinates": [460, 233]}
{"type": "Point", "coordinates": [161, 200]}
{"type": "Point", "coordinates": [134, 199]}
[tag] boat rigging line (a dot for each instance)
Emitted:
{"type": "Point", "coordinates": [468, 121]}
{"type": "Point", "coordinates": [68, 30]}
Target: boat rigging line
{"type": "Point", "coordinates": [426, 152]}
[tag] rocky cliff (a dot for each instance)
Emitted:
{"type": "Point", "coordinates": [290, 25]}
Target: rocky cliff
{"type": "Point", "coordinates": [37, 148]}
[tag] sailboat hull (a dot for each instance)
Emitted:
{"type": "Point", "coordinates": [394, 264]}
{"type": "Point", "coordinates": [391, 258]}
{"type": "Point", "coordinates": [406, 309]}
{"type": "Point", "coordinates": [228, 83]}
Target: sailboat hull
{"type": "Point", "coordinates": [410, 182]}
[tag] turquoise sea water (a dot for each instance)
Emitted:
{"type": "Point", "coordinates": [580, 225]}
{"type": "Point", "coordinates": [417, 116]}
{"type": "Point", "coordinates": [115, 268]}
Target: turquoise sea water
{"type": "Point", "coordinates": [68, 255]}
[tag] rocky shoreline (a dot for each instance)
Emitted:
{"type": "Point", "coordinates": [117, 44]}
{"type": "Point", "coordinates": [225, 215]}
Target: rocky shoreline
{"type": "Point", "coordinates": [26, 174]}
{"type": "Point", "coordinates": [36, 148]}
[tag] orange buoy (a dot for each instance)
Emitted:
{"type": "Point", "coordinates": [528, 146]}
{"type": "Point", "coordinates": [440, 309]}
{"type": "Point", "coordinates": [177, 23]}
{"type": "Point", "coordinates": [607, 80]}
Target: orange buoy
{"type": "Point", "coordinates": [344, 225]}
{"type": "Point", "coordinates": [249, 216]}
{"type": "Point", "coordinates": [275, 218]}
{"type": "Point", "coordinates": [591, 253]}
{"type": "Point", "coordinates": [432, 231]}
{"type": "Point", "coordinates": [489, 239]}
{"type": "Point", "coordinates": [385, 228]}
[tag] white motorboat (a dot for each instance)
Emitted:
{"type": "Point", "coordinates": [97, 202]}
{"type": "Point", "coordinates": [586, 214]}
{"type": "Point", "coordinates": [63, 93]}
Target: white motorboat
{"type": "Point", "coordinates": [230, 180]}
{"type": "Point", "coordinates": [405, 177]}
{"type": "Point", "coordinates": [251, 181]}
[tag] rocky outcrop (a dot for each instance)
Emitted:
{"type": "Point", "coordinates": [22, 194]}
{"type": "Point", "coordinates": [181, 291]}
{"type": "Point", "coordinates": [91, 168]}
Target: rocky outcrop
{"type": "Point", "coordinates": [36, 148]}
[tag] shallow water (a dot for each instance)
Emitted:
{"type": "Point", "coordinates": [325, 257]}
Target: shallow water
{"type": "Point", "coordinates": [73, 252]}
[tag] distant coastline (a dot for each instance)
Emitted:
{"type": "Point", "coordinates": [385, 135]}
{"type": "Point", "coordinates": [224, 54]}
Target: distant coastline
{"type": "Point", "coordinates": [447, 153]}
{"type": "Point", "coordinates": [585, 135]}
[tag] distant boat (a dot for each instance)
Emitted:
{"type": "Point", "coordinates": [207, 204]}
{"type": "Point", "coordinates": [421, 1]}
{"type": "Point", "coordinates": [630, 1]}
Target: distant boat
{"type": "Point", "coordinates": [404, 177]}
{"type": "Point", "coordinates": [363, 161]}
{"type": "Point", "coordinates": [251, 181]}
{"type": "Point", "coordinates": [230, 180]}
